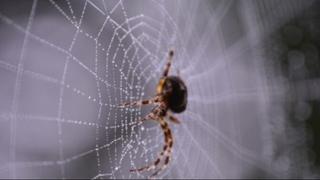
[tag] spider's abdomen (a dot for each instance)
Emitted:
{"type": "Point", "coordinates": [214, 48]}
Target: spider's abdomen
{"type": "Point", "coordinates": [175, 93]}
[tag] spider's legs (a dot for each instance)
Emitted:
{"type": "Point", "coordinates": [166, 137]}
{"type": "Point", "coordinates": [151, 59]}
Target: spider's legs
{"type": "Point", "coordinates": [173, 119]}
{"type": "Point", "coordinates": [151, 115]}
{"type": "Point", "coordinates": [166, 152]}
{"type": "Point", "coordinates": [155, 113]}
{"type": "Point", "coordinates": [153, 100]}
{"type": "Point", "coordinates": [164, 166]}
{"type": "Point", "coordinates": [168, 65]}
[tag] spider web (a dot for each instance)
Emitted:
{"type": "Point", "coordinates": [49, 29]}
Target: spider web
{"type": "Point", "coordinates": [67, 65]}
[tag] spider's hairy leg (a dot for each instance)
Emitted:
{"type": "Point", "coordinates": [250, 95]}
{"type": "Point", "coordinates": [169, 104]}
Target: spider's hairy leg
{"type": "Point", "coordinates": [152, 115]}
{"type": "Point", "coordinates": [164, 166]}
{"type": "Point", "coordinates": [153, 100]}
{"type": "Point", "coordinates": [173, 119]}
{"type": "Point", "coordinates": [167, 148]}
{"type": "Point", "coordinates": [168, 65]}
{"type": "Point", "coordinates": [166, 151]}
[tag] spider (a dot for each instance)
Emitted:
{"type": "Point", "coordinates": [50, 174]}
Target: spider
{"type": "Point", "coordinates": [171, 97]}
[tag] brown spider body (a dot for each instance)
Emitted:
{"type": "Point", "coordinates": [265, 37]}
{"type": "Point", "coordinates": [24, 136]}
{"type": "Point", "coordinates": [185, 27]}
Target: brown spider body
{"type": "Point", "coordinates": [174, 92]}
{"type": "Point", "coordinates": [171, 95]}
